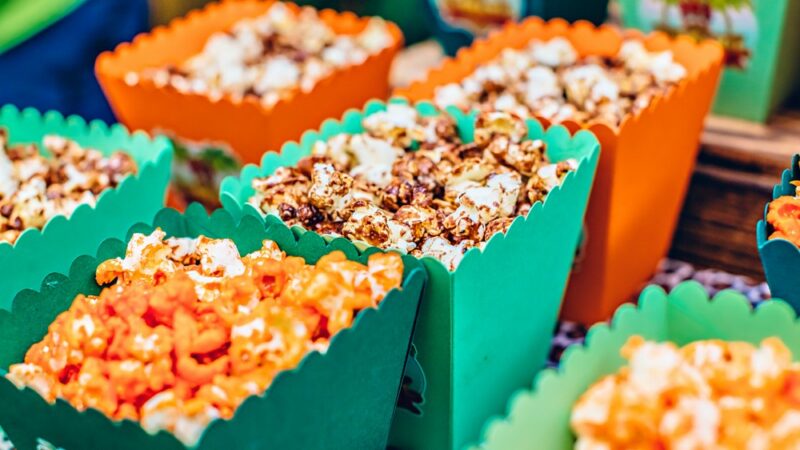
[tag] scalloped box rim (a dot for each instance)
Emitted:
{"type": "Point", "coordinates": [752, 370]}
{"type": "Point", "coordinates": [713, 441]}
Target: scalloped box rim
{"type": "Point", "coordinates": [161, 153]}
{"type": "Point", "coordinates": [773, 252]}
{"type": "Point", "coordinates": [231, 187]}
{"type": "Point", "coordinates": [109, 63]}
{"type": "Point", "coordinates": [576, 33]}
{"type": "Point", "coordinates": [653, 297]}
{"type": "Point", "coordinates": [416, 274]}
{"type": "Point", "coordinates": [787, 176]}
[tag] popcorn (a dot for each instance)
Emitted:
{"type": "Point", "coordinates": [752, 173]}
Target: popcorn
{"type": "Point", "coordinates": [450, 255]}
{"type": "Point", "coordinates": [282, 193]}
{"type": "Point", "coordinates": [189, 329]}
{"type": "Point", "coordinates": [549, 79]}
{"type": "Point", "coordinates": [34, 188]}
{"type": "Point", "coordinates": [522, 156]}
{"type": "Point", "coordinates": [554, 53]}
{"type": "Point", "coordinates": [659, 64]}
{"type": "Point", "coordinates": [707, 395]}
{"type": "Point", "coordinates": [452, 94]}
{"type": "Point", "coordinates": [497, 123]}
{"type": "Point", "coordinates": [783, 215]}
{"type": "Point", "coordinates": [541, 82]}
{"type": "Point", "coordinates": [409, 183]}
{"type": "Point", "coordinates": [329, 188]}
{"type": "Point", "coordinates": [589, 83]}
{"type": "Point", "coordinates": [269, 57]}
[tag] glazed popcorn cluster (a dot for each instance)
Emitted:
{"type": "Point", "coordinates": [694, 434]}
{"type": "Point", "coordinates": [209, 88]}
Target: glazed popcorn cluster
{"type": "Point", "coordinates": [270, 56]}
{"type": "Point", "coordinates": [190, 329]}
{"type": "Point", "coordinates": [708, 395]}
{"type": "Point", "coordinates": [35, 188]}
{"type": "Point", "coordinates": [409, 182]}
{"type": "Point", "coordinates": [550, 80]}
{"type": "Point", "coordinates": [783, 215]}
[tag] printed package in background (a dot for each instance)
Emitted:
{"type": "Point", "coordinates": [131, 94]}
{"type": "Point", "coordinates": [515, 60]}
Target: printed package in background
{"type": "Point", "coordinates": [343, 398]}
{"type": "Point", "coordinates": [539, 417]}
{"type": "Point", "coordinates": [485, 328]}
{"type": "Point", "coordinates": [414, 28]}
{"type": "Point", "coordinates": [780, 257]}
{"type": "Point", "coordinates": [761, 40]}
{"type": "Point", "coordinates": [246, 126]}
{"type": "Point", "coordinates": [456, 23]}
{"type": "Point", "coordinates": [138, 198]}
{"type": "Point", "coordinates": [645, 164]}
{"type": "Point", "coordinates": [198, 171]}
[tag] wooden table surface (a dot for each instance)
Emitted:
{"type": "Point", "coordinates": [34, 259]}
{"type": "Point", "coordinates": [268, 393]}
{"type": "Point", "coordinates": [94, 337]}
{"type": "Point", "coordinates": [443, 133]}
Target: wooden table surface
{"type": "Point", "coordinates": [739, 163]}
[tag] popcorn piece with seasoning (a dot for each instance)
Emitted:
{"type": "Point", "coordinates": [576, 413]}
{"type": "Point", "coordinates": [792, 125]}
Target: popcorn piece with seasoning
{"type": "Point", "coordinates": [410, 183]}
{"type": "Point", "coordinates": [35, 188]}
{"type": "Point", "coordinates": [551, 80]}
{"type": "Point", "coordinates": [270, 57]}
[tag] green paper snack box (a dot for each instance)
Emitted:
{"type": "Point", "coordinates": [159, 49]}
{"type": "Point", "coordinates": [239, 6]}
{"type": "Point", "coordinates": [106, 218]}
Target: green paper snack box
{"type": "Point", "coordinates": [485, 328]}
{"type": "Point", "coordinates": [780, 257]}
{"type": "Point", "coordinates": [540, 418]}
{"type": "Point", "coordinates": [342, 398]}
{"type": "Point", "coordinates": [37, 253]}
{"type": "Point", "coordinates": [761, 41]}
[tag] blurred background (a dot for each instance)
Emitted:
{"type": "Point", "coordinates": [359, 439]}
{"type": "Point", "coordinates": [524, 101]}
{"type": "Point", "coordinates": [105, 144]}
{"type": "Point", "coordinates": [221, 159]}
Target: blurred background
{"type": "Point", "coordinates": [48, 49]}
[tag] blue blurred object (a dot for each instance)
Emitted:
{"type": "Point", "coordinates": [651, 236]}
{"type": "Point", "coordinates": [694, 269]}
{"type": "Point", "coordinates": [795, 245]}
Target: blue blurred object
{"type": "Point", "coordinates": [54, 69]}
{"type": "Point", "coordinates": [457, 22]}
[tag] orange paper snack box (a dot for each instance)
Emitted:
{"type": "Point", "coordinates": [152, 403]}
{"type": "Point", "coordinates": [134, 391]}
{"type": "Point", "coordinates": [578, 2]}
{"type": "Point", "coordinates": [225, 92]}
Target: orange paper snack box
{"type": "Point", "coordinates": [645, 162]}
{"type": "Point", "coordinates": [250, 128]}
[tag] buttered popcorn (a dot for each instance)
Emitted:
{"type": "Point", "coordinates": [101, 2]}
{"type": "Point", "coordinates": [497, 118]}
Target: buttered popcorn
{"type": "Point", "coordinates": [707, 395]}
{"type": "Point", "coordinates": [549, 79]}
{"type": "Point", "coordinates": [190, 329]}
{"type": "Point", "coordinates": [270, 57]}
{"type": "Point", "coordinates": [783, 215]}
{"type": "Point", "coordinates": [35, 188]}
{"type": "Point", "coordinates": [409, 182]}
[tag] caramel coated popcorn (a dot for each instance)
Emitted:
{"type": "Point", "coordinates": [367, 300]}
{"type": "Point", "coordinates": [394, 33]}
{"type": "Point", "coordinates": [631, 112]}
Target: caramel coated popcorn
{"type": "Point", "coordinates": [707, 395]}
{"type": "Point", "coordinates": [783, 215]}
{"type": "Point", "coordinates": [35, 188]}
{"type": "Point", "coordinates": [549, 79]}
{"type": "Point", "coordinates": [270, 57]}
{"type": "Point", "coordinates": [190, 329]}
{"type": "Point", "coordinates": [409, 182]}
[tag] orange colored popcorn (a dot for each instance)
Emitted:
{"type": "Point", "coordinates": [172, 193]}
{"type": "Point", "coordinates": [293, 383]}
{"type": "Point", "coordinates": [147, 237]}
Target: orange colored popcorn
{"type": "Point", "coordinates": [190, 329]}
{"type": "Point", "coordinates": [707, 395]}
{"type": "Point", "coordinates": [783, 216]}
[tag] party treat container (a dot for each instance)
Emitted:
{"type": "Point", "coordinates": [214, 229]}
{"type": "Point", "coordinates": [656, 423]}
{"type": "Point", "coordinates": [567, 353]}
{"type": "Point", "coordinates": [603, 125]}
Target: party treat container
{"type": "Point", "coordinates": [36, 253]}
{"type": "Point", "coordinates": [486, 325]}
{"type": "Point", "coordinates": [540, 417]}
{"type": "Point", "coordinates": [777, 247]}
{"type": "Point", "coordinates": [631, 197]}
{"type": "Point", "coordinates": [243, 123]}
{"type": "Point", "coordinates": [761, 46]}
{"type": "Point", "coordinates": [314, 404]}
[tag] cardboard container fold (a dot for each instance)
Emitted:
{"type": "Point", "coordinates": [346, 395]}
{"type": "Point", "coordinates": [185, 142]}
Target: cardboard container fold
{"type": "Point", "coordinates": [780, 257]}
{"type": "Point", "coordinates": [538, 418]}
{"type": "Point", "coordinates": [246, 126]}
{"type": "Point", "coordinates": [341, 399]}
{"type": "Point", "coordinates": [645, 163]}
{"type": "Point", "coordinates": [485, 328]}
{"type": "Point", "coordinates": [762, 64]}
{"type": "Point", "coordinates": [39, 252]}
